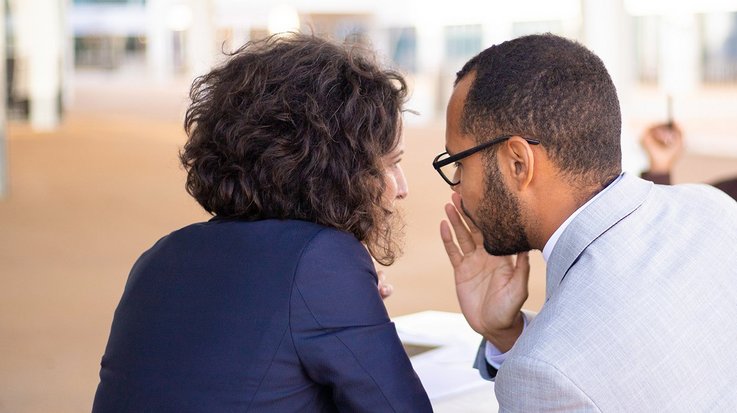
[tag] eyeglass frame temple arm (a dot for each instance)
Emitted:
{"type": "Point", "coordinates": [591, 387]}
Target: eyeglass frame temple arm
{"type": "Point", "coordinates": [468, 152]}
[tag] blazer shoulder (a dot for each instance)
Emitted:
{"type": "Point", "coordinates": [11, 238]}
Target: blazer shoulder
{"type": "Point", "coordinates": [337, 281]}
{"type": "Point", "coordinates": [711, 203]}
{"type": "Point", "coordinates": [528, 384]}
{"type": "Point", "coordinates": [267, 232]}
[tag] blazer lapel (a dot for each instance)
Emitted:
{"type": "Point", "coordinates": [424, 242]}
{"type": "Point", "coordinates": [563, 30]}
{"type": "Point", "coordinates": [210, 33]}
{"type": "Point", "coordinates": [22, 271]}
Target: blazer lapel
{"type": "Point", "coordinates": [618, 201]}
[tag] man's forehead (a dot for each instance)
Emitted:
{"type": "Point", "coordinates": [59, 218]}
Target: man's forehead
{"type": "Point", "coordinates": [460, 92]}
{"type": "Point", "coordinates": [453, 135]}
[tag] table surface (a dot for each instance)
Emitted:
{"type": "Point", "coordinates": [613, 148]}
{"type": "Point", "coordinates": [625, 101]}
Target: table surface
{"type": "Point", "coordinates": [446, 370]}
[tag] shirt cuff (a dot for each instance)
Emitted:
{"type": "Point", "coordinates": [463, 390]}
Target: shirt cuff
{"type": "Point", "coordinates": [494, 357]}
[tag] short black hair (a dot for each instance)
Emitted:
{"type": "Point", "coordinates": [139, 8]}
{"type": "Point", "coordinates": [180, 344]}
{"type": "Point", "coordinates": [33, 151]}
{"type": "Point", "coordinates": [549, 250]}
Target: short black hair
{"type": "Point", "coordinates": [552, 89]}
{"type": "Point", "coordinates": [295, 127]}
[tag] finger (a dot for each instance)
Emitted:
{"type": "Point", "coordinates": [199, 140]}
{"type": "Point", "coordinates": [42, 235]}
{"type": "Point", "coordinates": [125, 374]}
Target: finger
{"type": "Point", "coordinates": [648, 136]}
{"type": "Point", "coordinates": [465, 240]}
{"type": "Point", "coordinates": [522, 271]}
{"type": "Point", "coordinates": [476, 235]}
{"type": "Point", "coordinates": [454, 254]}
{"type": "Point", "coordinates": [677, 133]}
{"type": "Point", "coordinates": [458, 204]}
{"type": "Point", "coordinates": [386, 290]}
{"type": "Point", "coordinates": [662, 135]}
{"type": "Point", "coordinates": [671, 137]}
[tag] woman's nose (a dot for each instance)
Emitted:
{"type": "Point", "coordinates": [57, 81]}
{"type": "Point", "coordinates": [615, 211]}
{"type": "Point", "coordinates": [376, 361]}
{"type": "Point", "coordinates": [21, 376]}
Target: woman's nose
{"type": "Point", "coordinates": [402, 188]}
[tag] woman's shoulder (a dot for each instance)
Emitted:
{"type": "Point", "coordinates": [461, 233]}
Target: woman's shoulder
{"type": "Point", "coordinates": [285, 230]}
{"type": "Point", "coordinates": [261, 229]}
{"type": "Point", "coordinates": [337, 283]}
{"type": "Point", "coordinates": [262, 225]}
{"type": "Point", "coordinates": [289, 237]}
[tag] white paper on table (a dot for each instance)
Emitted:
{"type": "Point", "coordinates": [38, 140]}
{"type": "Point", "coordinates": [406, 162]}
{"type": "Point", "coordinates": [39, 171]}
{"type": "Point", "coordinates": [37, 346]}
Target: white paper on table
{"type": "Point", "coordinates": [447, 370]}
{"type": "Point", "coordinates": [435, 328]}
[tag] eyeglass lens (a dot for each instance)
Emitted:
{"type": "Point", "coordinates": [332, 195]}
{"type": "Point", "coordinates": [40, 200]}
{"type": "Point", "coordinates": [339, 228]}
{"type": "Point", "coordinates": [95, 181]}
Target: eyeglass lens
{"type": "Point", "coordinates": [450, 171]}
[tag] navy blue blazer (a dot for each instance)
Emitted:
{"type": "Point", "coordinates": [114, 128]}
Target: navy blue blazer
{"type": "Point", "coordinates": [265, 316]}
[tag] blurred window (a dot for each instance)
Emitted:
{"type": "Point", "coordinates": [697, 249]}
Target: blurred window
{"type": "Point", "coordinates": [347, 28]}
{"type": "Point", "coordinates": [719, 47]}
{"type": "Point", "coordinates": [647, 48]}
{"type": "Point", "coordinates": [258, 33]}
{"type": "Point", "coordinates": [109, 1]}
{"type": "Point", "coordinates": [108, 52]}
{"type": "Point", "coordinates": [462, 42]}
{"type": "Point", "coordinates": [351, 31]}
{"type": "Point", "coordinates": [403, 47]}
{"type": "Point", "coordinates": [536, 27]}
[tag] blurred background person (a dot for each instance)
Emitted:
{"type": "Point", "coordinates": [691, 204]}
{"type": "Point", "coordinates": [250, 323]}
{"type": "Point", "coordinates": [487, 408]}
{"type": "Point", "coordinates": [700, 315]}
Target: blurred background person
{"type": "Point", "coordinates": [273, 305]}
{"type": "Point", "coordinates": [663, 144]}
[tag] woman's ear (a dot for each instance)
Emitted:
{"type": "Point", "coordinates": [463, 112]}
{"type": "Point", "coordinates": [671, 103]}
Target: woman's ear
{"type": "Point", "coordinates": [519, 160]}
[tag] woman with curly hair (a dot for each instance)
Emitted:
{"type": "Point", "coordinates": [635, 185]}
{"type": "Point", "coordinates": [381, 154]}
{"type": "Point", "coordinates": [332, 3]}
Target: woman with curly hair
{"type": "Point", "coordinates": [272, 305]}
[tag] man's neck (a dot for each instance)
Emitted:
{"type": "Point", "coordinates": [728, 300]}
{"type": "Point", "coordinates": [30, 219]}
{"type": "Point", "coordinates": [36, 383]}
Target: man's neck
{"type": "Point", "coordinates": [559, 203]}
{"type": "Point", "coordinates": [560, 206]}
{"type": "Point", "coordinates": [572, 205]}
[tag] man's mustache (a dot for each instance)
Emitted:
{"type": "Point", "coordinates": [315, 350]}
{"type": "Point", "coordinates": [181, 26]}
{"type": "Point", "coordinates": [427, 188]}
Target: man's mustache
{"type": "Point", "coordinates": [468, 215]}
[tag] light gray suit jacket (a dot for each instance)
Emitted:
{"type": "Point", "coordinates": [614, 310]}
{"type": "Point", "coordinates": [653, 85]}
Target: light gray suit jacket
{"type": "Point", "coordinates": [641, 310]}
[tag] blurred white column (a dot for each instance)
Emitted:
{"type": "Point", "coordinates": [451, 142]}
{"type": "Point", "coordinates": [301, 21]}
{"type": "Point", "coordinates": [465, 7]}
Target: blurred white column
{"type": "Point", "coordinates": [679, 69]}
{"type": "Point", "coordinates": [497, 29]}
{"type": "Point", "coordinates": [191, 23]}
{"type": "Point", "coordinates": [240, 35]}
{"type": "Point", "coordinates": [159, 46]}
{"type": "Point", "coordinates": [200, 40]}
{"type": "Point", "coordinates": [426, 94]}
{"type": "Point", "coordinates": [67, 56]}
{"type": "Point", "coordinates": [606, 29]}
{"type": "Point", "coordinates": [39, 44]}
{"type": "Point", "coordinates": [4, 187]}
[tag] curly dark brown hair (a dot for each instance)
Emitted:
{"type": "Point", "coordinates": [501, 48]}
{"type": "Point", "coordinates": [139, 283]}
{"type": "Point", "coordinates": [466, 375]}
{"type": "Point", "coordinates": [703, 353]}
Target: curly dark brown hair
{"type": "Point", "coordinates": [295, 127]}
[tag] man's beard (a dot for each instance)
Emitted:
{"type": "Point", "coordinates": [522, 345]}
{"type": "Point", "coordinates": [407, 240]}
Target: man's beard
{"type": "Point", "coordinates": [499, 219]}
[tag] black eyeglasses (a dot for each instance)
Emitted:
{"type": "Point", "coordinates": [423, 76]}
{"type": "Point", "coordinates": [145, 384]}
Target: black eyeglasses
{"type": "Point", "coordinates": [447, 165]}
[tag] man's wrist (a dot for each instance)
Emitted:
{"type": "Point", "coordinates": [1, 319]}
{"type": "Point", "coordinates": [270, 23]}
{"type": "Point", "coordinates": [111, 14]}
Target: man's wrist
{"type": "Point", "coordinates": [504, 339]}
{"type": "Point", "coordinates": [494, 357]}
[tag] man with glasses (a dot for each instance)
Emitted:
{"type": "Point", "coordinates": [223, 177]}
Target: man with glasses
{"type": "Point", "coordinates": [641, 296]}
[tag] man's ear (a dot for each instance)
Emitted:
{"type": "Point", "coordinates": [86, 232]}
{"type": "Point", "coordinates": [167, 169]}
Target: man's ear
{"type": "Point", "coordinates": [519, 160]}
